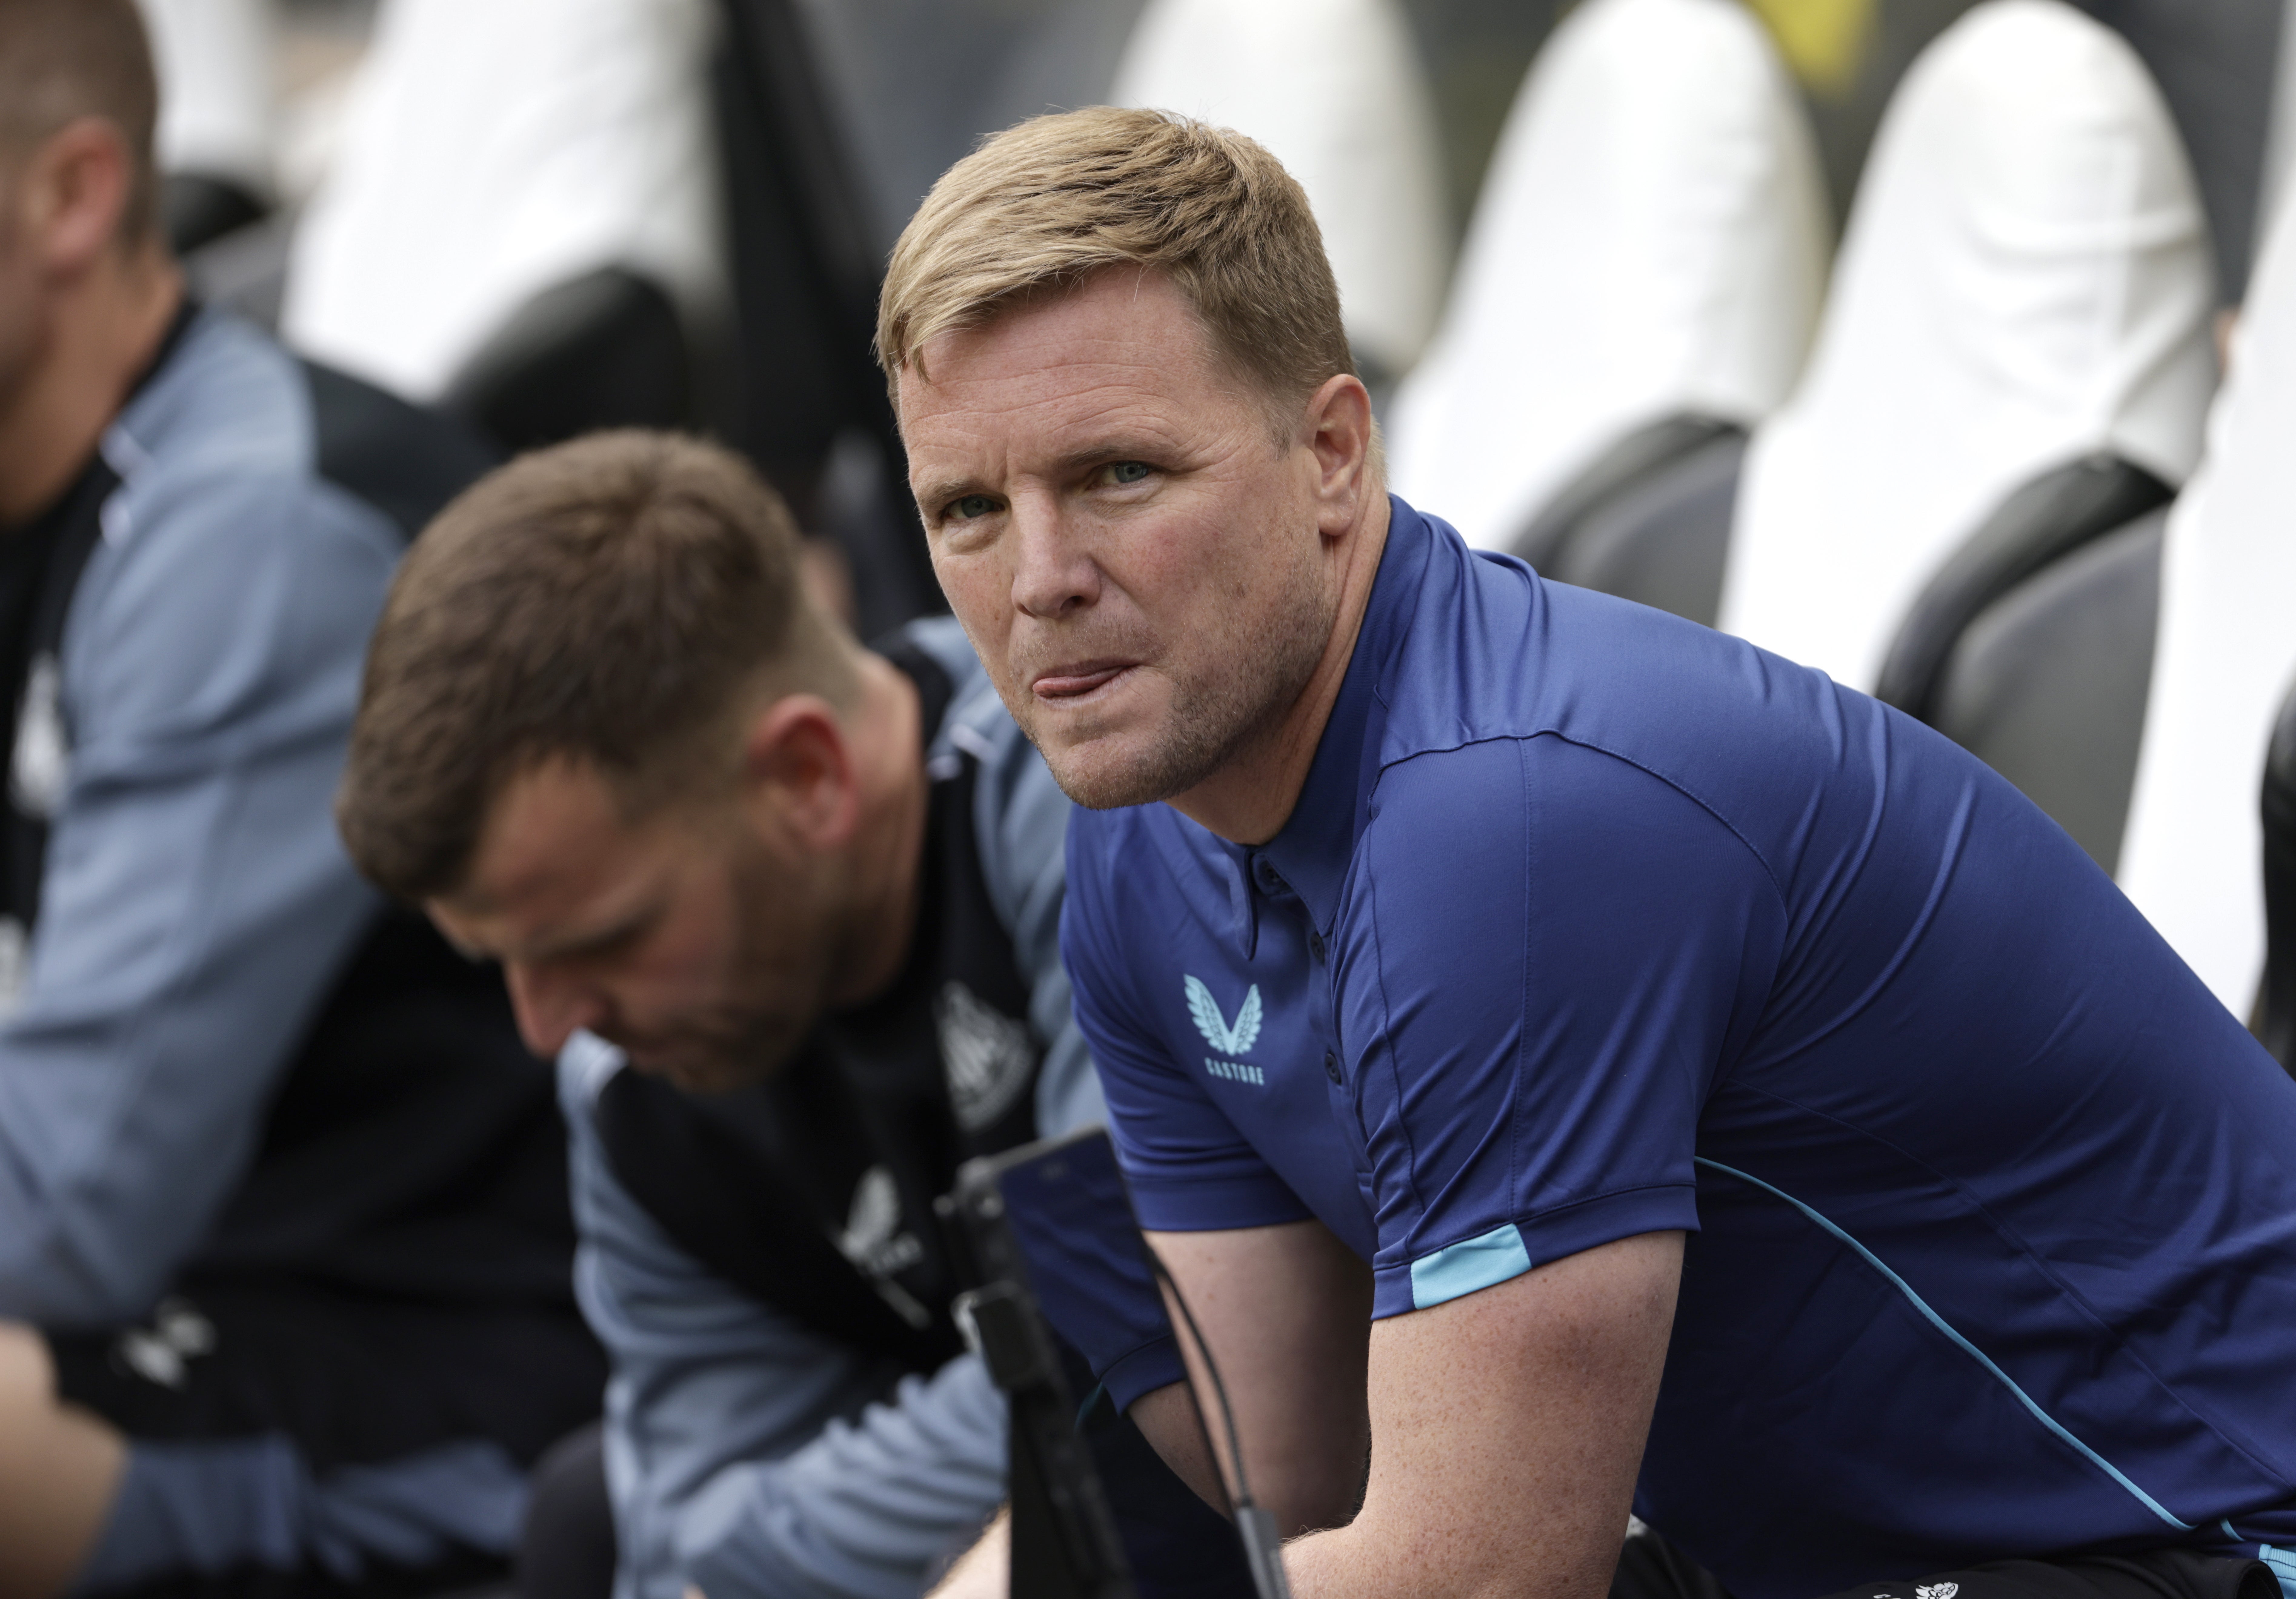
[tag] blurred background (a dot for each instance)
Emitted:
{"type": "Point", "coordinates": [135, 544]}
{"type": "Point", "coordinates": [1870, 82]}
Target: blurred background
{"type": "Point", "coordinates": [1891, 334]}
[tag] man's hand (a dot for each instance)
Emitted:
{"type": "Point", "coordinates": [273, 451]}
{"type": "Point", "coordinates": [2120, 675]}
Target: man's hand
{"type": "Point", "coordinates": [1507, 1429]}
{"type": "Point", "coordinates": [60, 1468]}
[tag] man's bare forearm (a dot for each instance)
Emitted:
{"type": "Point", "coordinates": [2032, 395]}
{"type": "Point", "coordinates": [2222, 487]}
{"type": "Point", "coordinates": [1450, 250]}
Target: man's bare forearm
{"type": "Point", "coordinates": [1286, 1310]}
{"type": "Point", "coordinates": [1509, 1427]}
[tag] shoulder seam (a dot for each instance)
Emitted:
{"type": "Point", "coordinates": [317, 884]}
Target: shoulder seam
{"type": "Point", "coordinates": [1626, 760]}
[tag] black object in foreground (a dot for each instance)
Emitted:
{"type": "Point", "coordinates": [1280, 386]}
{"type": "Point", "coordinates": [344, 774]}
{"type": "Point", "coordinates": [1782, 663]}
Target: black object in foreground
{"type": "Point", "coordinates": [1032, 1220]}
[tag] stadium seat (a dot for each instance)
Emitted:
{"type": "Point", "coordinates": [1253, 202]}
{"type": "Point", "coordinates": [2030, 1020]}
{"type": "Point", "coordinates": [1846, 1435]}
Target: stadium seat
{"type": "Point", "coordinates": [2275, 1011]}
{"type": "Point", "coordinates": [2225, 656]}
{"type": "Point", "coordinates": [1658, 536]}
{"type": "Point", "coordinates": [2025, 287]}
{"type": "Point", "coordinates": [2044, 521]}
{"type": "Point", "coordinates": [1334, 88]}
{"type": "Point", "coordinates": [2046, 683]}
{"type": "Point", "coordinates": [217, 115]}
{"type": "Point", "coordinates": [1640, 277]}
{"type": "Point", "coordinates": [506, 171]}
{"type": "Point", "coordinates": [604, 350]}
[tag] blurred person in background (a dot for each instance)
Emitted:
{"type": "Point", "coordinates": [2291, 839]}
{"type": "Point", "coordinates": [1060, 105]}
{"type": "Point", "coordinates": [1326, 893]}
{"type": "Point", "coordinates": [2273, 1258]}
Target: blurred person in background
{"type": "Point", "coordinates": [787, 908]}
{"type": "Point", "coordinates": [285, 1258]}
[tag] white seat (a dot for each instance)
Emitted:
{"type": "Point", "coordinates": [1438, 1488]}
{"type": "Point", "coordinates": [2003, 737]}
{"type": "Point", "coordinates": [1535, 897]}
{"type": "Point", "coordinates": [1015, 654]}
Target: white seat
{"type": "Point", "coordinates": [2224, 655]}
{"type": "Point", "coordinates": [219, 101]}
{"type": "Point", "coordinates": [2025, 282]}
{"type": "Point", "coordinates": [492, 151]}
{"type": "Point", "coordinates": [1334, 90]}
{"type": "Point", "coordinates": [1650, 241]}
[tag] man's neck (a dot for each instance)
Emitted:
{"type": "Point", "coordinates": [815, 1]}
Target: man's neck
{"type": "Point", "coordinates": [888, 848]}
{"type": "Point", "coordinates": [106, 330]}
{"type": "Point", "coordinates": [1248, 800]}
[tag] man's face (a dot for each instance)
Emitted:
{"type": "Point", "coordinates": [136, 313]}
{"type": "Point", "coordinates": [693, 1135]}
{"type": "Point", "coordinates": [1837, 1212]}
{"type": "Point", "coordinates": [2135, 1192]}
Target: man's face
{"type": "Point", "coordinates": [681, 937]}
{"type": "Point", "coordinates": [1136, 559]}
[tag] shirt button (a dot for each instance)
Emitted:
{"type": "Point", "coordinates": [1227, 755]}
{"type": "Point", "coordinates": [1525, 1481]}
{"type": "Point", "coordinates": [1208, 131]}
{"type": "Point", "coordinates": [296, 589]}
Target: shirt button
{"type": "Point", "coordinates": [1315, 945]}
{"type": "Point", "coordinates": [1268, 879]}
{"type": "Point", "coordinates": [1331, 1066]}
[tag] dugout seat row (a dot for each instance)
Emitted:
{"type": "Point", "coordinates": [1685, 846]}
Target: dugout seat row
{"type": "Point", "coordinates": [1968, 501]}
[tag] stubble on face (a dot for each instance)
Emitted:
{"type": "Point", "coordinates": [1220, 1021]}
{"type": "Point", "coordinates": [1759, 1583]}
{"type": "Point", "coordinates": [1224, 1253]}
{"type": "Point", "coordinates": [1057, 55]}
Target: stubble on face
{"type": "Point", "coordinates": [1145, 636]}
{"type": "Point", "coordinates": [1220, 703]}
{"type": "Point", "coordinates": [774, 994]}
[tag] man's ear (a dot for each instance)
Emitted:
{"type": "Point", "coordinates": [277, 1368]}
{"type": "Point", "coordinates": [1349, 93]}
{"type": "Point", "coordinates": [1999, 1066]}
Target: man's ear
{"type": "Point", "coordinates": [75, 193]}
{"type": "Point", "coordinates": [798, 775]}
{"type": "Point", "coordinates": [1339, 430]}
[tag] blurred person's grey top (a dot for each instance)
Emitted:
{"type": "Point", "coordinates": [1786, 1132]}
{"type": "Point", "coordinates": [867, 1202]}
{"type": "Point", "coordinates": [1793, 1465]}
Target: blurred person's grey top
{"type": "Point", "coordinates": [753, 1455]}
{"type": "Point", "coordinates": [219, 1049]}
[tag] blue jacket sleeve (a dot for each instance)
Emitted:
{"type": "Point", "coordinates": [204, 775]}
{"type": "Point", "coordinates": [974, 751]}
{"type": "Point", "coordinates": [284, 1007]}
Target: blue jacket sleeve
{"type": "Point", "coordinates": [196, 903]}
{"type": "Point", "coordinates": [746, 1455]}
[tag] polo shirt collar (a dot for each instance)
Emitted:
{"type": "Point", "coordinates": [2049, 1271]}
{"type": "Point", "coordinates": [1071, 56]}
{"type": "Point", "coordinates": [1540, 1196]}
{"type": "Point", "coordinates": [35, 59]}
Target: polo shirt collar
{"type": "Point", "coordinates": [1309, 857]}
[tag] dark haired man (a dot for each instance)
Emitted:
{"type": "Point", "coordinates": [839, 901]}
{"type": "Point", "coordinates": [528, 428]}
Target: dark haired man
{"type": "Point", "coordinates": [1718, 1092]}
{"type": "Point", "coordinates": [283, 1249]}
{"type": "Point", "coordinates": [808, 895]}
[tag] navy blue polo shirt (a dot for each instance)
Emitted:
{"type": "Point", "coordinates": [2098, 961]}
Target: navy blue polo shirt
{"type": "Point", "coordinates": [1591, 922]}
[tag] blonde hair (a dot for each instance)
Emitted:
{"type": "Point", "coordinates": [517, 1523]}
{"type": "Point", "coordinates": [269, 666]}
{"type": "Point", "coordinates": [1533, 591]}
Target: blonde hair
{"type": "Point", "coordinates": [1042, 206]}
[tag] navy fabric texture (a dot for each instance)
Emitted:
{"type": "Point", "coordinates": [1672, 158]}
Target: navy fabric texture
{"type": "Point", "coordinates": [1591, 922]}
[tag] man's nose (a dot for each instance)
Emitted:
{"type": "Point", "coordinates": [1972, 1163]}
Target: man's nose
{"type": "Point", "coordinates": [1054, 573]}
{"type": "Point", "coordinates": [550, 1007]}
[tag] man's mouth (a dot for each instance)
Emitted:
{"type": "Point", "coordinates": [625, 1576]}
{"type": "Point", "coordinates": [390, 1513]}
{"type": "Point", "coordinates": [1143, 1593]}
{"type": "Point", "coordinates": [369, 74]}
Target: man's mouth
{"type": "Point", "coordinates": [1079, 680]}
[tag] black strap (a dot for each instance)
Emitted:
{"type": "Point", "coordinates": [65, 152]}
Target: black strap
{"type": "Point", "coordinates": [715, 1194]}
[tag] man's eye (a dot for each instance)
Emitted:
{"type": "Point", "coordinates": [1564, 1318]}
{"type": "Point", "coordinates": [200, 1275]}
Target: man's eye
{"type": "Point", "coordinates": [971, 507]}
{"type": "Point", "coordinates": [1128, 472]}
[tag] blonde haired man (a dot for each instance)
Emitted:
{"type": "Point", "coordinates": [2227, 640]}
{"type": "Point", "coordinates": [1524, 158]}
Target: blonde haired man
{"type": "Point", "coordinates": [1718, 1093]}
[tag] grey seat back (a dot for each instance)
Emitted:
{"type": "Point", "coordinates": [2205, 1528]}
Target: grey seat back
{"type": "Point", "coordinates": [605, 349]}
{"type": "Point", "coordinates": [1659, 533]}
{"type": "Point", "coordinates": [2045, 520]}
{"type": "Point", "coordinates": [2047, 683]}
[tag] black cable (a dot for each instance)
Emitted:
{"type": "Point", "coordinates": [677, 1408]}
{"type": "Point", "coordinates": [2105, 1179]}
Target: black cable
{"type": "Point", "coordinates": [1262, 1544]}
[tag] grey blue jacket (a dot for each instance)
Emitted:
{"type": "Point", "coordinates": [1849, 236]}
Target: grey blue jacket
{"type": "Point", "coordinates": [747, 1453]}
{"type": "Point", "coordinates": [195, 903]}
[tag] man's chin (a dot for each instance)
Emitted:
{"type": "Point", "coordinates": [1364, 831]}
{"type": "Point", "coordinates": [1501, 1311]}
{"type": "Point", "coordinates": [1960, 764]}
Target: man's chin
{"type": "Point", "coordinates": [1109, 773]}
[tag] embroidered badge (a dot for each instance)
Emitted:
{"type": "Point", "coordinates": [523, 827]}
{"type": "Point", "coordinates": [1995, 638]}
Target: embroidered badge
{"type": "Point", "coordinates": [987, 1056]}
{"type": "Point", "coordinates": [1237, 1040]}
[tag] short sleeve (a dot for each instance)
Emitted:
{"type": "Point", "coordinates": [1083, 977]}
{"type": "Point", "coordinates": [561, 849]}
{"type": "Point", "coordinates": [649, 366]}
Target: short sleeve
{"type": "Point", "coordinates": [1545, 955]}
{"type": "Point", "coordinates": [1189, 1167]}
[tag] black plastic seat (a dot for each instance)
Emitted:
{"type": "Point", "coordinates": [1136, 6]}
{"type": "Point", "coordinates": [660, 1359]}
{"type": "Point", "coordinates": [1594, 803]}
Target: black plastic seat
{"type": "Point", "coordinates": [2276, 1022]}
{"type": "Point", "coordinates": [2042, 522]}
{"type": "Point", "coordinates": [605, 349]}
{"type": "Point", "coordinates": [1662, 538]}
{"type": "Point", "coordinates": [2047, 683]}
{"type": "Point", "coordinates": [1615, 471]}
{"type": "Point", "coordinates": [196, 210]}
{"type": "Point", "coordinates": [805, 272]}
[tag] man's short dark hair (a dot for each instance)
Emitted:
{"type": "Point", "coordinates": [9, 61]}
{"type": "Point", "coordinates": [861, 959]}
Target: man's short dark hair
{"type": "Point", "coordinates": [615, 600]}
{"type": "Point", "coordinates": [62, 59]}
